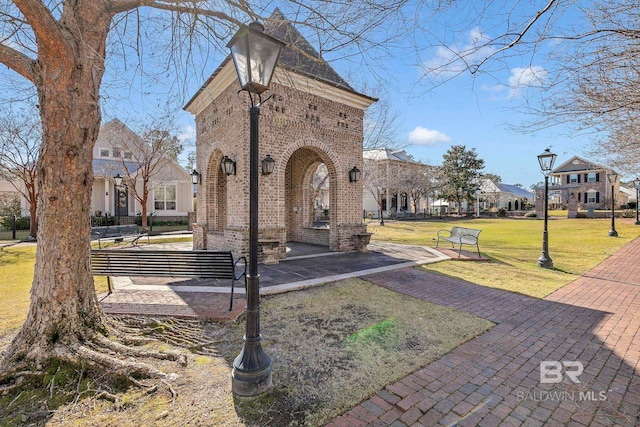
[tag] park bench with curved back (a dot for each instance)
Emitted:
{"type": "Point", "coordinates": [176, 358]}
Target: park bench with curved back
{"type": "Point", "coordinates": [460, 236]}
{"type": "Point", "coordinates": [166, 263]}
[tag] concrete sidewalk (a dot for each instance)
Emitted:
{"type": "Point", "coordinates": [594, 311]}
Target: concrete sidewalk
{"type": "Point", "coordinates": [495, 379]}
{"type": "Point", "coordinates": [196, 298]}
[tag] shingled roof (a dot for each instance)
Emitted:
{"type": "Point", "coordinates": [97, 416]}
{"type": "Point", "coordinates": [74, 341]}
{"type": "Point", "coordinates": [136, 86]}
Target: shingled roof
{"type": "Point", "coordinates": [301, 59]}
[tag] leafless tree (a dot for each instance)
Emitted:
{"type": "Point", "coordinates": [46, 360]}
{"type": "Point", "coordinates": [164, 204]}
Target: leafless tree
{"type": "Point", "coordinates": [151, 151]}
{"type": "Point", "coordinates": [63, 48]}
{"type": "Point", "coordinates": [414, 179]}
{"type": "Point", "coordinates": [20, 137]}
{"type": "Point", "coordinates": [320, 177]}
{"type": "Point", "coordinates": [375, 181]}
{"type": "Point", "coordinates": [582, 64]}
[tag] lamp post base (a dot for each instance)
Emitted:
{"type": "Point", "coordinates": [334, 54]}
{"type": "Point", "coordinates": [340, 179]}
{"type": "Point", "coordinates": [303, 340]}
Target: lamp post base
{"type": "Point", "coordinates": [248, 383]}
{"type": "Point", "coordinates": [544, 261]}
{"type": "Point", "coordinates": [636, 222]}
{"type": "Point", "coordinates": [613, 233]}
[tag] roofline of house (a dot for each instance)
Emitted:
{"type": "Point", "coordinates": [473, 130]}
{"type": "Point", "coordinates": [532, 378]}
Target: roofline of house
{"type": "Point", "coordinates": [225, 75]}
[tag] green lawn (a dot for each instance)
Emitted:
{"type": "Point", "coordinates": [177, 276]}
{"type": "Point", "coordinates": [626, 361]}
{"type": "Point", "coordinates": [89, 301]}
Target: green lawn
{"type": "Point", "coordinates": [16, 275]}
{"type": "Point", "coordinates": [514, 245]}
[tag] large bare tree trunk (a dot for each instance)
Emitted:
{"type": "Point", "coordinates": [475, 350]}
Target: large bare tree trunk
{"type": "Point", "coordinates": [64, 310]}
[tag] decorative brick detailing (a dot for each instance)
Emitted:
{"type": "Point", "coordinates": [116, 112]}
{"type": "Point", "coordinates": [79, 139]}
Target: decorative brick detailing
{"type": "Point", "coordinates": [298, 130]}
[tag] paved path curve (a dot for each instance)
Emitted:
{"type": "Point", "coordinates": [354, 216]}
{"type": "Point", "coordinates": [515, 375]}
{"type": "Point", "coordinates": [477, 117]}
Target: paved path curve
{"type": "Point", "coordinates": [494, 379]}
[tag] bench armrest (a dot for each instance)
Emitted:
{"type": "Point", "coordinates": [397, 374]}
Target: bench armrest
{"type": "Point", "coordinates": [244, 272]}
{"type": "Point", "coordinates": [471, 237]}
{"type": "Point", "coordinates": [444, 231]}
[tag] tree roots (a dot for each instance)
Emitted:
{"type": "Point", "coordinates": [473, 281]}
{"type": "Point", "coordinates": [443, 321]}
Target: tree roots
{"type": "Point", "coordinates": [106, 356]}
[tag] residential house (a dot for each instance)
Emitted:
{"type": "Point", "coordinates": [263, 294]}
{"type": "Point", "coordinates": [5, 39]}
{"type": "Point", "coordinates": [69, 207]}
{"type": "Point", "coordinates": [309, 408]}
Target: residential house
{"type": "Point", "coordinates": [171, 189]}
{"type": "Point", "coordinates": [496, 195]}
{"type": "Point", "coordinates": [586, 182]}
{"type": "Point", "coordinates": [392, 176]}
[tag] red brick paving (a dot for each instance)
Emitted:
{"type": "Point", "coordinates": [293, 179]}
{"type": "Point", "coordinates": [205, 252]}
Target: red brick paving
{"type": "Point", "coordinates": [189, 305]}
{"type": "Point", "coordinates": [494, 379]}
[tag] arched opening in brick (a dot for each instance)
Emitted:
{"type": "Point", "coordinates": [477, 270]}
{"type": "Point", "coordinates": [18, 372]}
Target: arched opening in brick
{"type": "Point", "coordinates": [310, 196]}
{"type": "Point", "coordinates": [216, 194]}
{"type": "Point", "coordinates": [319, 200]}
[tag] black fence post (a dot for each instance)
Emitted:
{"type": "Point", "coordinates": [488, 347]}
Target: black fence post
{"type": "Point", "coordinates": [13, 231]}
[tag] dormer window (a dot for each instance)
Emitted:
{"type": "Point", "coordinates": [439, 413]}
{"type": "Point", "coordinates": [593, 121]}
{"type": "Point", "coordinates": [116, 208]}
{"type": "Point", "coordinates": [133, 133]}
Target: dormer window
{"type": "Point", "coordinates": [128, 155]}
{"type": "Point", "coordinates": [104, 153]}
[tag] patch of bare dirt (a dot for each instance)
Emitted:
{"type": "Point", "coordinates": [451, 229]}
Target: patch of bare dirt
{"type": "Point", "coordinates": [330, 347]}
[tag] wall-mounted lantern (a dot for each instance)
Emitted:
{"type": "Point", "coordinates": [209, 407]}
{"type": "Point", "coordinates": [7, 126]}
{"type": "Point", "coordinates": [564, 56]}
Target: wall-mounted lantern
{"type": "Point", "coordinates": [195, 177]}
{"type": "Point", "coordinates": [354, 174]}
{"type": "Point", "coordinates": [228, 166]}
{"type": "Point", "coordinates": [268, 164]}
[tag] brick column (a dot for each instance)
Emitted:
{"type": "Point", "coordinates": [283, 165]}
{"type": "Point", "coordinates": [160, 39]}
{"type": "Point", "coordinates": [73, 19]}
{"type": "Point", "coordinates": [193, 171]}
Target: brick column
{"type": "Point", "coordinates": [573, 205]}
{"type": "Point", "coordinates": [539, 204]}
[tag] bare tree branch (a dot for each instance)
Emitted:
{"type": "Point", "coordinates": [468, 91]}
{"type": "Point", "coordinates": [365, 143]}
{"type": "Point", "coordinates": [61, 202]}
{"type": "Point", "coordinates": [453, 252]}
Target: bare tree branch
{"type": "Point", "coordinates": [18, 62]}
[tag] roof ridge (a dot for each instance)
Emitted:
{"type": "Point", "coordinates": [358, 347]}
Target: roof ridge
{"type": "Point", "coordinates": [281, 28]}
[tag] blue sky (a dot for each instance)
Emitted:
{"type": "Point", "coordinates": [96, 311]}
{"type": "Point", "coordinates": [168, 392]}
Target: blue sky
{"type": "Point", "coordinates": [477, 112]}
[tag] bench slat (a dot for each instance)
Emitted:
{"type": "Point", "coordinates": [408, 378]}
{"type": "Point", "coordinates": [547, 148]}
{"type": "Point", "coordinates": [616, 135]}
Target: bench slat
{"type": "Point", "coordinates": [157, 263]}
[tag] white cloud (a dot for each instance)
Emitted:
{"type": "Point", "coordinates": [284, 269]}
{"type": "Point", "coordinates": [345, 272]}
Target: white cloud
{"type": "Point", "coordinates": [424, 136]}
{"type": "Point", "coordinates": [519, 80]}
{"type": "Point", "coordinates": [188, 135]}
{"type": "Point", "coordinates": [522, 78]}
{"type": "Point", "coordinates": [449, 61]}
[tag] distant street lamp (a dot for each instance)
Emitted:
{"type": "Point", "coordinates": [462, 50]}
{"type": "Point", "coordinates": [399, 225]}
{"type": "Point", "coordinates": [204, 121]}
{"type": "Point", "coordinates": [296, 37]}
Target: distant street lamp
{"type": "Point", "coordinates": [118, 181]}
{"type": "Point", "coordinates": [636, 183]}
{"type": "Point", "coordinates": [612, 177]}
{"type": "Point", "coordinates": [254, 55]}
{"type": "Point", "coordinates": [478, 191]}
{"type": "Point", "coordinates": [546, 160]}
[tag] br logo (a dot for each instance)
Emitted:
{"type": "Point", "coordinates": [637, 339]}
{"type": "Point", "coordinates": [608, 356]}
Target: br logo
{"type": "Point", "coordinates": [551, 371]}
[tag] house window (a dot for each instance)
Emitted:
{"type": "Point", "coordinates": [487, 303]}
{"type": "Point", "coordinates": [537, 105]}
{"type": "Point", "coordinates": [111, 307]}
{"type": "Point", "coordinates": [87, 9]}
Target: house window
{"type": "Point", "coordinates": [128, 155]}
{"type": "Point", "coordinates": [116, 152]}
{"type": "Point", "coordinates": [592, 177]}
{"type": "Point", "coordinates": [164, 197]}
{"type": "Point", "coordinates": [592, 197]}
{"type": "Point", "coordinates": [573, 177]}
{"type": "Point", "coordinates": [104, 153]}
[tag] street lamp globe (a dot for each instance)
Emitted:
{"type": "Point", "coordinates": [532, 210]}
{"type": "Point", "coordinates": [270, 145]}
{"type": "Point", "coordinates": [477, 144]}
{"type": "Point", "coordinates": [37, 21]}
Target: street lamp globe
{"type": "Point", "coordinates": [546, 160]}
{"type": "Point", "coordinates": [255, 55]}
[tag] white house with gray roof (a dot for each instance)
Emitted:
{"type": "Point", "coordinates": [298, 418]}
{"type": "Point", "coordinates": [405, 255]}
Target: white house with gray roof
{"type": "Point", "coordinates": [496, 195]}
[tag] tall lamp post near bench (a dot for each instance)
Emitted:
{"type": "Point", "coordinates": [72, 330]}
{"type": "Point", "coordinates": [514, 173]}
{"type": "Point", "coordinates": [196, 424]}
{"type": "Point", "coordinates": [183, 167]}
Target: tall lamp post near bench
{"type": "Point", "coordinates": [612, 177]}
{"type": "Point", "coordinates": [636, 184]}
{"type": "Point", "coordinates": [546, 160]}
{"type": "Point", "coordinates": [254, 55]}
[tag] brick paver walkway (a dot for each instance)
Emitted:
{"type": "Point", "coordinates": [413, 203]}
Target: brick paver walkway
{"type": "Point", "coordinates": [494, 379]}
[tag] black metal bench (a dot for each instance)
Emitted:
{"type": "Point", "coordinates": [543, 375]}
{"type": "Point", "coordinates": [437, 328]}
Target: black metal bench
{"type": "Point", "coordinates": [117, 233]}
{"type": "Point", "coordinates": [460, 236]}
{"type": "Point", "coordinates": [162, 263]}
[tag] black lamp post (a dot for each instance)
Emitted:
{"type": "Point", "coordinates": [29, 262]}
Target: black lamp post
{"type": "Point", "coordinates": [118, 181]}
{"type": "Point", "coordinates": [546, 160]}
{"type": "Point", "coordinates": [612, 177]}
{"type": "Point", "coordinates": [636, 183]}
{"type": "Point", "coordinates": [255, 55]}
